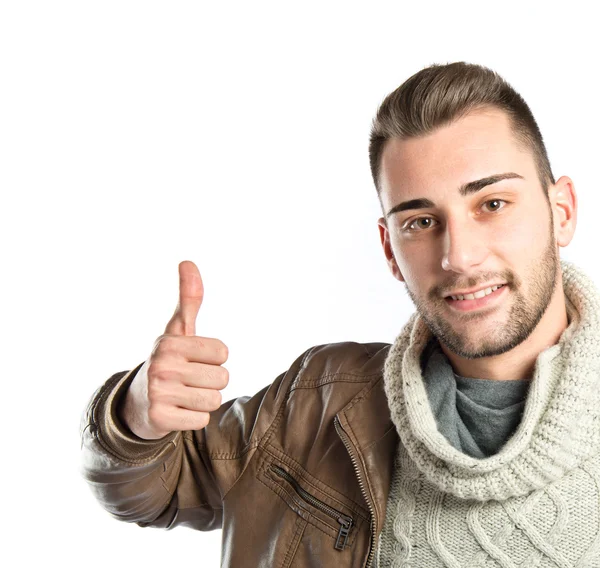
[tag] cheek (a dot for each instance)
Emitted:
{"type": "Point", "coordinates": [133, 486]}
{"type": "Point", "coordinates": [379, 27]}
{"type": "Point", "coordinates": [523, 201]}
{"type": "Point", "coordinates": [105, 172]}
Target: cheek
{"type": "Point", "coordinates": [525, 236]}
{"type": "Point", "coordinates": [418, 266]}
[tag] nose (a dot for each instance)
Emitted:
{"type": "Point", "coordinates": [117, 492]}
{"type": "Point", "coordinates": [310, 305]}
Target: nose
{"type": "Point", "coordinates": [464, 246]}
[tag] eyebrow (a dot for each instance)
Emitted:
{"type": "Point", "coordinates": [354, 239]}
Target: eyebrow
{"type": "Point", "coordinates": [465, 189]}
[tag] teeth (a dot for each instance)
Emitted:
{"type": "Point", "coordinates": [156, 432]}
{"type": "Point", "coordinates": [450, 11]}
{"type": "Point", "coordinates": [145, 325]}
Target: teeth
{"type": "Point", "coordinates": [482, 293]}
{"type": "Point", "coordinates": [478, 294]}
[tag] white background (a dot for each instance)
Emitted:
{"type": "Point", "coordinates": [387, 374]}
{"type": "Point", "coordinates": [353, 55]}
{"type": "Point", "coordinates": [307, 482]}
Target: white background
{"type": "Point", "coordinates": [135, 135]}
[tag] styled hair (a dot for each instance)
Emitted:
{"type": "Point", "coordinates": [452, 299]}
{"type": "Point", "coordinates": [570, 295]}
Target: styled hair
{"type": "Point", "coordinates": [441, 94]}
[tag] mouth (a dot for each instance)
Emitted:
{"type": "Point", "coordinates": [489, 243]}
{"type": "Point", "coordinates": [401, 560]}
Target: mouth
{"type": "Point", "coordinates": [475, 294]}
{"type": "Point", "coordinates": [482, 298]}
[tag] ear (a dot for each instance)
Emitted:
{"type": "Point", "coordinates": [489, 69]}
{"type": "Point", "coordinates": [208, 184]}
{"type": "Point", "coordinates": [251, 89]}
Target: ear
{"type": "Point", "coordinates": [563, 202]}
{"type": "Point", "coordinates": [384, 235]}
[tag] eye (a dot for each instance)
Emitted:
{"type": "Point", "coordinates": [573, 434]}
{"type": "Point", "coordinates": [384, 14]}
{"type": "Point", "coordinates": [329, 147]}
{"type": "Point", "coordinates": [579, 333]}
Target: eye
{"type": "Point", "coordinates": [421, 223]}
{"type": "Point", "coordinates": [494, 205]}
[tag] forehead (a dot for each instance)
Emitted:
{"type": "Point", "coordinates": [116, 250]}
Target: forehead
{"type": "Point", "coordinates": [477, 145]}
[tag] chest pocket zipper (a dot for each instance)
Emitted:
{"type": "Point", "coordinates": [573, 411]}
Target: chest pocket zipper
{"type": "Point", "coordinates": [345, 521]}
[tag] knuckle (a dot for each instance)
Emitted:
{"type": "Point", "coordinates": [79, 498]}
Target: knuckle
{"type": "Point", "coordinates": [203, 420]}
{"type": "Point", "coordinates": [223, 351]}
{"type": "Point", "coordinates": [158, 345]}
{"type": "Point", "coordinates": [153, 389]}
{"type": "Point", "coordinates": [217, 398]}
{"type": "Point", "coordinates": [207, 376]}
{"type": "Point", "coordinates": [151, 371]}
{"type": "Point", "coordinates": [198, 401]}
{"type": "Point", "coordinates": [212, 376]}
{"type": "Point", "coordinates": [206, 400]}
{"type": "Point", "coordinates": [185, 422]}
{"type": "Point", "coordinates": [155, 415]}
{"type": "Point", "coordinates": [224, 377]}
{"type": "Point", "coordinates": [156, 390]}
{"type": "Point", "coordinates": [154, 373]}
{"type": "Point", "coordinates": [166, 344]}
{"type": "Point", "coordinates": [195, 421]}
{"type": "Point", "coordinates": [159, 373]}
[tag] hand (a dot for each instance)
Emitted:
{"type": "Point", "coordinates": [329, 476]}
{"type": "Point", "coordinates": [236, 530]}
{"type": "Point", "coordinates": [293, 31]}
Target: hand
{"type": "Point", "coordinates": [177, 387]}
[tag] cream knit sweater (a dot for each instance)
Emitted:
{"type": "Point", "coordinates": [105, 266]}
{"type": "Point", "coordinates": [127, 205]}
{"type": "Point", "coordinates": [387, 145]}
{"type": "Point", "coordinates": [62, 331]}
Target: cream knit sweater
{"type": "Point", "coordinates": [537, 501]}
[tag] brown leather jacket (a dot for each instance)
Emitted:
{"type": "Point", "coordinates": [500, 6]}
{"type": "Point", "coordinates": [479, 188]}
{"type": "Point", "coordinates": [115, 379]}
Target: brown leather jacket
{"type": "Point", "coordinates": [297, 475]}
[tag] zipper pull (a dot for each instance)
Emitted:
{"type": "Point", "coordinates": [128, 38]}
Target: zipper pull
{"type": "Point", "coordinates": [342, 537]}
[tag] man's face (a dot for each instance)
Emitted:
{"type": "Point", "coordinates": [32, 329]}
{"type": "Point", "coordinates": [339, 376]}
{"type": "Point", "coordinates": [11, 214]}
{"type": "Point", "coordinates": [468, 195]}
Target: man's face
{"type": "Point", "coordinates": [469, 241]}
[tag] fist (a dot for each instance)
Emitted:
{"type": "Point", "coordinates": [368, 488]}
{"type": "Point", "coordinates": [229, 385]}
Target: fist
{"type": "Point", "coordinates": [179, 385]}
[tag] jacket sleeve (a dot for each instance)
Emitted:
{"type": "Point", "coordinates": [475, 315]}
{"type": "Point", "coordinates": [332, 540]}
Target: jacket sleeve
{"type": "Point", "coordinates": [182, 478]}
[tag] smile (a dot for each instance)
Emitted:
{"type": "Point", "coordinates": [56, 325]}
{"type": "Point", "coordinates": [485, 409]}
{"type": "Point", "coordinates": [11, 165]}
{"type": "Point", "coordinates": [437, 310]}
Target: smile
{"type": "Point", "coordinates": [486, 298]}
{"type": "Point", "coordinates": [475, 295]}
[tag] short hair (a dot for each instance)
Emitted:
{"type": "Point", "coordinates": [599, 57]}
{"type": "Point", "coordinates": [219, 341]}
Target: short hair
{"type": "Point", "coordinates": [441, 94]}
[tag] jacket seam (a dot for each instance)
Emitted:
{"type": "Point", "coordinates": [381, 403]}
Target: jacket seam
{"type": "Point", "coordinates": [269, 429]}
{"type": "Point", "coordinates": [282, 405]}
{"type": "Point", "coordinates": [296, 538]}
{"type": "Point", "coordinates": [364, 469]}
{"type": "Point", "coordinates": [361, 397]}
{"type": "Point", "coordinates": [374, 442]}
{"type": "Point", "coordinates": [334, 377]}
{"type": "Point", "coordinates": [298, 382]}
{"type": "Point", "coordinates": [142, 461]}
{"type": "Point", "coordinates": [228, 455]}
{"type": "Point", "coordinates": [205, 505]}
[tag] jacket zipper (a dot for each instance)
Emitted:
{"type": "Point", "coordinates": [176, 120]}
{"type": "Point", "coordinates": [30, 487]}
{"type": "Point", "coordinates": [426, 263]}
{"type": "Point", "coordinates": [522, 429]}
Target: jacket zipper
{"type": "Point", "coordinates": [345, 521]}
{"type": "Point", "coordinates": [347, 443]}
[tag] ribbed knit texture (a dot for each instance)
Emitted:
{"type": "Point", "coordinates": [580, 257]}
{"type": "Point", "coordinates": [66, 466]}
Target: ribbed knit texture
{"type": "Point", "coordinates": [534, 503]}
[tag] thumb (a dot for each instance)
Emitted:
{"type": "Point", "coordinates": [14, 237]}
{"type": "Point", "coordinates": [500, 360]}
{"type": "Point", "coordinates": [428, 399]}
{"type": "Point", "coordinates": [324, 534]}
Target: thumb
{"type": "Point", "coordinates": [191, 293]}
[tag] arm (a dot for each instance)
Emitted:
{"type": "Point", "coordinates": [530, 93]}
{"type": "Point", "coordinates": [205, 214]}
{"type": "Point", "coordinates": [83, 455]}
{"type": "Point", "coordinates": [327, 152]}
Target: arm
{"type": "Point", "coordinates": [179, 479]}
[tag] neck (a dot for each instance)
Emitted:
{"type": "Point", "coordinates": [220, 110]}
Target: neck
{"type": "Point", "coordinates": [519, 362]}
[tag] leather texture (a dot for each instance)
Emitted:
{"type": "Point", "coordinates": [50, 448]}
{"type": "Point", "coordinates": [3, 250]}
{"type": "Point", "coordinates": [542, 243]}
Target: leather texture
{"type": "Point", "coordinates": [276, 471]}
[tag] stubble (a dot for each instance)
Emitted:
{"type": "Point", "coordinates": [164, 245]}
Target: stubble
{"type": "Point", "coordinates": [499, 337]}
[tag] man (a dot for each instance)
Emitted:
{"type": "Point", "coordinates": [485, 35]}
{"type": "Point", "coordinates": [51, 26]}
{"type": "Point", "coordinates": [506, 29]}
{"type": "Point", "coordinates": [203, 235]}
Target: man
{"type": "Point", "coordinates": [471, 441]}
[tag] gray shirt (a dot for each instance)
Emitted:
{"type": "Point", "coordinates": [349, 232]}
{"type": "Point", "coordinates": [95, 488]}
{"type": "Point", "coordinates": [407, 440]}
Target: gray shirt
{"type": "Point", "coordinates": [477, 416]}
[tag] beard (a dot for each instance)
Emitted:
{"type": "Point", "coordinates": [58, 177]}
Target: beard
{"type": "Point", "coordinates": [498, 337]}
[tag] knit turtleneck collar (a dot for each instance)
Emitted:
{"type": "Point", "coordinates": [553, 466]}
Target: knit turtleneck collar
{"type": "Point", "coordinates": [560, 427]}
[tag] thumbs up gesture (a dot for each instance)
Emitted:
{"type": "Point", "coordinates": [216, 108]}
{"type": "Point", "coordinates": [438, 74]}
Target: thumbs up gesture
{"type": "Point", "coordinates": [177, 387]}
